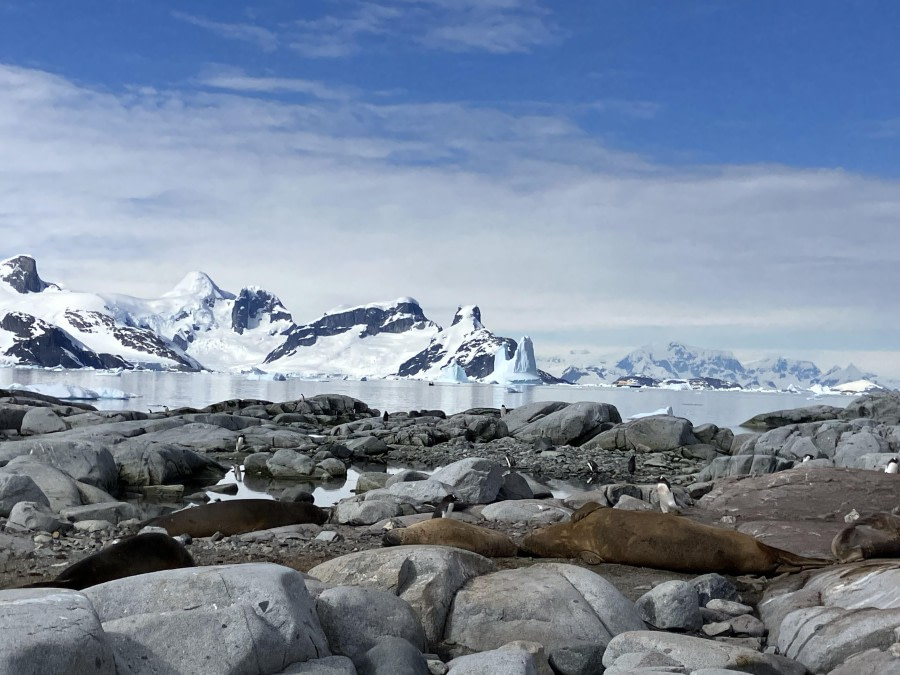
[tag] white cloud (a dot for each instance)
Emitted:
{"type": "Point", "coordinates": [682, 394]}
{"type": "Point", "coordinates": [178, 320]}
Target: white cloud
{"type": "Point", "coordinates": [243, 32]}
{"type": "Point", "coordinates": [235, 79]}
{"type": "Point", "coordinates": [345, 201]}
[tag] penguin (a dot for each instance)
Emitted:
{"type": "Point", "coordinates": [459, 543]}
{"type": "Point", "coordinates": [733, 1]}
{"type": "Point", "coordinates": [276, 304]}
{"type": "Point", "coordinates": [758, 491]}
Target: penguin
{"type": "Point", "coordinates": [385, 417]}
{"type": "Point", "coordinates": [444, 507]}
{"type": "Point", "coordinates": [593, 466]}
{"type": "Point", "coordinates": [806, 458]}
{"type": "Point", "coordinates": [238, 475]}
{"type": "Point", "coordinates": [241, 442]}
{"type": "Point", "coordinates": [632, 464]}
{"type": "Point", "coordinates": [891, 466]}
{"type": "Point", "coordinates": [666, 498]}
{"type": "Point", "coordinates": [510, 461]}
{"type": "Point", "coordinates": [503, 410]}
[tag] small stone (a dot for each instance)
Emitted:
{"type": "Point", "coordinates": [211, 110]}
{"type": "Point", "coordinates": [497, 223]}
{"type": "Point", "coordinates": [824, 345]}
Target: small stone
{"type": "Point", "coordinates": [41, 539]}
{"type": "Point", "coordinates": [185, 539]}
{"type": "Point", "coordinates": [437, 667]}
{"type": "Point", "coordinates": [728, 607]}
{"type": "Point", "coordinates": [748, 625]}
{"type": "Point", "coordinates": [748, 642]}
{"type": "Point", "coordinates": [328, 536]}
{"type": "Point", "coordinates": [852, 516]}
{"type": "Point", "coordinates": [717, 628]}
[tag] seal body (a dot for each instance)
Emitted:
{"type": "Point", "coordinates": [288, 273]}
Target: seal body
{"type": "Point", "coordinates": [875, 536]}
{"type": "Point", "coordinates": [659, 540]}
{"type": "Point", "coordinates": [140, 554]}
{"type": "Point", "coordinates": [237, 516]}
{"type": "Point", "coordinates": [456, 533]}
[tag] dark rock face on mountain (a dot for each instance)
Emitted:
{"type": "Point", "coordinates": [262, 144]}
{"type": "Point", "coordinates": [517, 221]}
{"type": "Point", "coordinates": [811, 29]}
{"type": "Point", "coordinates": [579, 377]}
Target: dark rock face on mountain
{"type": "Point", "coordinates": [374, 319]}
{"type": "Point", "coordinates": [680, 361]}
{"type": "Point", "coordinates": [39, 343]}
{"type": "Point", "coordinates": [467, 342]}
{"type": "Point", "coordinates": [251, 305]}
{"type": "Point", "coordinates": [21, 273]}
{"type": "Point", "coordinates": [772, 372]}
{"type": "Point", "coordinates": [140, 339]}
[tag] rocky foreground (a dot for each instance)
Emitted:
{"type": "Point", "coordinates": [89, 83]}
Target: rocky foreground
{"type": "Point", "coordinates": [328, 599]}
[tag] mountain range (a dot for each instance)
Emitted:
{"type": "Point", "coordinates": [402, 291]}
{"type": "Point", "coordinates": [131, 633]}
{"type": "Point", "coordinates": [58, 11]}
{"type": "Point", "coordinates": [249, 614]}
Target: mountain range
{"type": "Point", "coordinates": [199, 326]}
{"type": "Point", "coordinates": [675, 362]}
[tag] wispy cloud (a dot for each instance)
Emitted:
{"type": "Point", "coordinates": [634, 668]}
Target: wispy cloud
{"type": "Point", "coordinates": [523, 213]}
{"type": "Point", "coordinates": [495, 26]}
{"type": "Point", "coordinates": [235, 79]}
{"type": "Point", "coordinates": [243, 32]}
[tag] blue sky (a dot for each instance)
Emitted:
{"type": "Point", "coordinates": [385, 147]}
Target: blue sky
{"type": "Point", "coordinates": [599, 174]}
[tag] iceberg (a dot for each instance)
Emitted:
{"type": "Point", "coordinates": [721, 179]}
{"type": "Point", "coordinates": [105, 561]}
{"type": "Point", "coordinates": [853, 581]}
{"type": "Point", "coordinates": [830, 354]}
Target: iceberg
{"type": "Point", "coordinates": [662, 411]}
{"type": "Point", "coordinates": [452, 372]}
{"type": "Point", "coordinates": [521, 368]}
{"type": "Point", "coordinates": [71, 392]}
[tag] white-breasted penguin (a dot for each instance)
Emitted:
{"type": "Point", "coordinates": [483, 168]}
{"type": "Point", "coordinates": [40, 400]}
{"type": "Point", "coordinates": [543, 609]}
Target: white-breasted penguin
{"type": "Point", "coordinates": [241, 442]}
{"type": "Point", "coordinates": [444, 507]}
{"type": "Point", "coordinates": [593, 467]}
{"type": "Point", "coordinates": [510, 460]}
{"type": "Point", "coordinates": [891, 466]}
{"type": "Point", "coordinates": [666, 498]}
{"type": "Point", "coordinates": [807, 457]}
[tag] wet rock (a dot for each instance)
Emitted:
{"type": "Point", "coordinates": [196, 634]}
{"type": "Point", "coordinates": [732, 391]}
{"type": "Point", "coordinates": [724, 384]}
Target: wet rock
{"type": "Point", "coordinates": [473, 481]}
{"type": "Point", "coordinates": [15, 488]}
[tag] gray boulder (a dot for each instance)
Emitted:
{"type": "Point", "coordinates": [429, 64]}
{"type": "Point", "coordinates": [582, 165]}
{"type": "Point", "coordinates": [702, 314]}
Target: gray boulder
{"type": "Point", "coordinates": [354, 511]}
{"type": "Point", "coordinates": [419, 492]}
{"type": "Point", "coordinates": [35, 517]}
{"type": "Point", "coordinates": [164, 464]}
{"type": "Point", "coordinates": [646, 434]}
{"type": "Point", "coordinates": [16, 488]}
{"type": "Point", "coordinates": [853, 445]}
{"type": "Point", "coordinates": [427, 577]}
{"type": "Point", "coordinates": [883, 407]}
{"type": "Point", "coordinates": [495, 662]}
{"type": "Point", "coordinates": [354, 618]}
{"type": "Point", "coordinates": [696, 653]}
{"type": "Point", "coordinates": [330, 665]}
{"type": "Point", "coordinates": [519, 417]}
{"type": "Point", "coordinates": [515, 486]}
{"type": "Point", "coordinates": [114, 512]}
{"type": "Point", "coordinates": [826, 618]}
{"type": "Point", "coordinates": [287, 463]}
{"type": "Point", "coordinates": [474, 428]}
{"type": "Point", "coordinates": [88, 462]}
{"type": "Point", "coordinates": [41, 421]}
{"type": "Point", "coordinates": [391, 656]}
{"type": "Point", "coordinates": [473, 480]}
{"type": "Point", "coordinates": [671, 605]}
{"type": "Point", "coordinates": [575, 424]}
{"type": "Point", "coordinates": [550, 603]}
{"type": "Point", "coordinates": [367, 446]}
{"type": "Point", "coordinates": [531, 511]}
{"type": "Point", "coordinates": [59, 488]}
{"type": "Point", "coordinates": [255, 617]}
{"type": "Point", "coordinates": [51, 631]}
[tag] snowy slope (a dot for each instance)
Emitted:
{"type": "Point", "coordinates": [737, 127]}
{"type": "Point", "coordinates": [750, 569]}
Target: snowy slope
{"type": "Point", "coordinates": [780, 373]}
{"type": "Point", "coordinates": [370, 340]}
{"type": "Point", "coordinates": [675, 360]}
{"type": "Point", "coordinates": [466, 342]}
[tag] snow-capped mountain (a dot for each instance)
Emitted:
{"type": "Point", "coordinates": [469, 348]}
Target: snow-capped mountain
{"type": "Point", "coordinates": [677, 361]}
{"type": "Point", "coordinates": [370, 340]}
{"type": "Point", "coordinates": [780, 373]}
{"type": "Point", "coordinates": [466, 342]}
{"type": "Point", "coordinates": [198, 325]}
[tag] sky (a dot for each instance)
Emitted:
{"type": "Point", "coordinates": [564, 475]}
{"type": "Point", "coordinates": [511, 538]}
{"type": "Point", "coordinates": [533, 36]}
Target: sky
{"type": "Point", "coordinates": [596, 174]}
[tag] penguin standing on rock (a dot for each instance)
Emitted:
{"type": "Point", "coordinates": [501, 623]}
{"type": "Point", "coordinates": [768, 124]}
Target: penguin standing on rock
{"type": "Point", "coordinates": [444, 507]}
{"type": "Point", "coordinates": [241, 442]}
{"type": "Point", "coordinates": [593, 467]}
{"type": "Point", "coordinates": [806, 458]}
{"type": "Point", "coordinates": [632, 464]}
{"type": "Point", "coordinates": [666, 498]}
{"type": "Point", "coordinates": [510, 460]}
{"type": "Point", "coordinates": [891, 466]}
{"type": "Point", "coordinates": [385, 417]}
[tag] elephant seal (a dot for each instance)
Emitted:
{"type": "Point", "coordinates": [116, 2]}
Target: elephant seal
{"type": "Point", "coordinates": [456, 533]}
{"type": "Point", "coordinates": [659, 540]}
{"type": "Point", "coordinates": [874, 536]}
{"type": "Point", "coordinates": [237, 516]}
{"type": "Point", "coordinates": [140, 554]}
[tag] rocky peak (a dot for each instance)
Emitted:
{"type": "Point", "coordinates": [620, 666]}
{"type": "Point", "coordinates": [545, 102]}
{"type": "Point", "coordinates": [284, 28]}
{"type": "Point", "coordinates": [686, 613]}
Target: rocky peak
{"type": "Point", "coordinates": [21, 273]}
{"type": "Point", "coordinates": [252, 305]}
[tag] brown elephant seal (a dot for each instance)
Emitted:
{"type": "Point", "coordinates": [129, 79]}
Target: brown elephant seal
{"type": "Point", "coordinates": [874, 536]}
{"type": "Point", "coordinates": [140, 554]}
{"type": "Point", "coordinates": [662, 541]}
{"type": "Point", "coordinates": [237, 516]}
{"type": "Point", "coordinates": [456, 533]}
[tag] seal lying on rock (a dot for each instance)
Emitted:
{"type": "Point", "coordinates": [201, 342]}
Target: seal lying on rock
{"type": "Point", "coordinates": [663, 541]}
{"type": "Point", "coordinates": [140, 554]}
{"type": "Point", "coordinates": [456, 533]}
{"type": "Point", "coordinates": [237, 516]}
{"type": "Point", "coordinates": [875, 536]}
